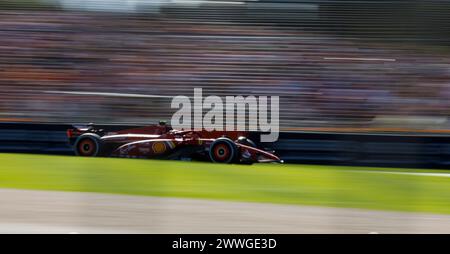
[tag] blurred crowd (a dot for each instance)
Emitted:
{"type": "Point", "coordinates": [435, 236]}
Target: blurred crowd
{"type": "Point", "coordinates": [123, 68]}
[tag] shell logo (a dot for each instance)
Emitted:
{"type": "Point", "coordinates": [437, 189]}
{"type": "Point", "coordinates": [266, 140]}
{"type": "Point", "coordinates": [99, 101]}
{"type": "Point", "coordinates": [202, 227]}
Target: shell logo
{"type": "Point", "coordinates": [159, 147]}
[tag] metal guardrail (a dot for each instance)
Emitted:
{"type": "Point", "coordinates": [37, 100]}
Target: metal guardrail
{"type": "Point", "coordinates": [365, 149]}
{"type": "Point", "coordinates": [294, 147]}
{"type": "Point", "coordinates": [34, 138]}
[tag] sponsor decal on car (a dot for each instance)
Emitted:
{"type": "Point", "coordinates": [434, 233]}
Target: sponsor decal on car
{"type": "Point", "coordinates": [159, 147]}
{"type": "Point", "coordinates": [127, 149]}
{"type": "Point", "coordinates": [144, 149]}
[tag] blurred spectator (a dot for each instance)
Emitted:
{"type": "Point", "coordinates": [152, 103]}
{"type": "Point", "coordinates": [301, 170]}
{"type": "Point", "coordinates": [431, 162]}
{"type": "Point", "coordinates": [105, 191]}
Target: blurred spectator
{"type": "Point", "coordinates": [91, 67]}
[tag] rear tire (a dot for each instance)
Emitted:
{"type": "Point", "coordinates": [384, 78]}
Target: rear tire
{"type": "Point", "coordinates": [223, 150]}
{"type": "Point", "coordinates": [88, 144]}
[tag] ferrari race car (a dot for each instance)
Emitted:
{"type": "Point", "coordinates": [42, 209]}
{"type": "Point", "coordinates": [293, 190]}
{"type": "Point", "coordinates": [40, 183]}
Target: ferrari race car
{"type": "Point", "coordinates": [162, 142]}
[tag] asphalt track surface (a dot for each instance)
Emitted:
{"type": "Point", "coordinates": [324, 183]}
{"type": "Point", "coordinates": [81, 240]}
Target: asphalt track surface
{"type": "Point", "coordinates": [24, 211]}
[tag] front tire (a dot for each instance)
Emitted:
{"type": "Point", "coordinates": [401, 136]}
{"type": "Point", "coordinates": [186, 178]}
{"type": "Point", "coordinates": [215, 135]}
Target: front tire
{"type": "Point", "coordinates": [88, 144]}
{"type": "Point", "coordinates": [223, 150]}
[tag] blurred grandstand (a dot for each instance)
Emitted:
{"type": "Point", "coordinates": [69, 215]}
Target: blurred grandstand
{"type": "Point", "coordinates": [64, 62]}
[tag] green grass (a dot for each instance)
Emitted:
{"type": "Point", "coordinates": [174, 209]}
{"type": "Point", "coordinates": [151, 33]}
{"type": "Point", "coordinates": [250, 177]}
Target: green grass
{"type": "Point", "coordinates": [333, 186]}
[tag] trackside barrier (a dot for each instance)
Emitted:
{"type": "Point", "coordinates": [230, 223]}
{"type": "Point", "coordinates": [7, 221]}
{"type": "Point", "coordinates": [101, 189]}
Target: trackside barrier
{"type": "Point", "coordinates": [293, 147]}
{"type": "Point", "coordinates": [364, 149]}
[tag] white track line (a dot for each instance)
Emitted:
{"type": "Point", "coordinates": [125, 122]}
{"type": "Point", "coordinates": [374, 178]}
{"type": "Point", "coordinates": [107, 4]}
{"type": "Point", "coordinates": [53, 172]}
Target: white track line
{"type": "Point", "coordinates": [402, 173]}
{"type": "Point", "coordinates": [360, 59]}
{"type": "Point", "coordinates": [131, 95]}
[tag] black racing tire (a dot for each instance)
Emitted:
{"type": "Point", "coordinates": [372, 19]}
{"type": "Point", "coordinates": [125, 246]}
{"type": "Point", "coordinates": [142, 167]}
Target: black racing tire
{"type": "Point", "coordinates": [223, 150]}
{"type": "Point", "coordinates": [88, 145]}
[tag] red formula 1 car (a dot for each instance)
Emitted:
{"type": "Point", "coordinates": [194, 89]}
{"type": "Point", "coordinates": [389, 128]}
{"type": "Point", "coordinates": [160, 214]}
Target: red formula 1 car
{"type": "Point", "coordinates": [162, 142]}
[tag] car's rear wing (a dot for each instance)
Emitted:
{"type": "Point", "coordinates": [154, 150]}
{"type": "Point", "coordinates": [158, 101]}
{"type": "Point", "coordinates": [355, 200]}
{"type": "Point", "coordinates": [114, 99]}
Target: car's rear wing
{"type": "Point", "coordinates": [76, 131]}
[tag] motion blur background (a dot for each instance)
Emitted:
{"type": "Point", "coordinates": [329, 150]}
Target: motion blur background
{"type": "Point", "coordinates": [365, 65]}
{"type": "Point", "coordinates": [379, 71]}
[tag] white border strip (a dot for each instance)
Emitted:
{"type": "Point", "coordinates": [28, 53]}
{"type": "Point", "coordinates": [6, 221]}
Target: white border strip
{"type": "Point", "coordinates": [360, 59]}
{"type": "Point", "coordinates": [403, 173]}
{"type": "Point", "coordinates": [132, 95]}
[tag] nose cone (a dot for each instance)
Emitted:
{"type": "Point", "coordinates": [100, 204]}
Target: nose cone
{"type": "Point", "coordinates": [268, 157]}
